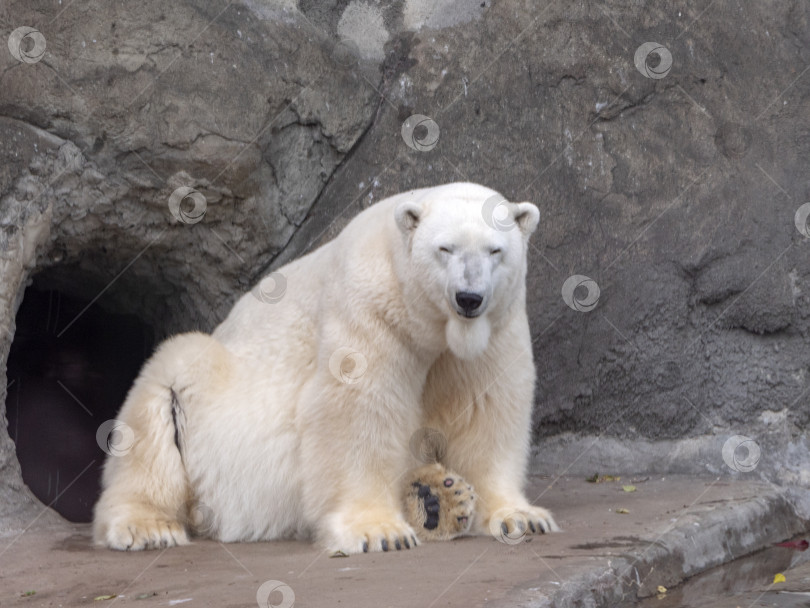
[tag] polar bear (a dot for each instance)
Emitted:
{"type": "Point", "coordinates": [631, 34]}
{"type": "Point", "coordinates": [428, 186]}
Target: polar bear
{"type": "Point", "coordinates": [294, 417]}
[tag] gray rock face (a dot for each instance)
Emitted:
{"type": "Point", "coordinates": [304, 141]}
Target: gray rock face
{"type": "Point", "coordinates": [677, 189]}
{"type": "Point", "coordinates": [125, 107]}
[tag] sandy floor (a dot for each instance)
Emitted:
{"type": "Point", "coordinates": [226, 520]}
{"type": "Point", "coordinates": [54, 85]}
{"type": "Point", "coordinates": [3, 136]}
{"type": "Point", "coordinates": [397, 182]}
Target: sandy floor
{"type": "Point", "coordinates": [59, 567]}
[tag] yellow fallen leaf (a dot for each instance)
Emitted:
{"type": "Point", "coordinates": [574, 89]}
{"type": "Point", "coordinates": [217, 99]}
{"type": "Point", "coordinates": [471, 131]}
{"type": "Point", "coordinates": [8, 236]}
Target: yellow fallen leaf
{"type": "Point", "coordinates": [101, 598]}
{"type": "Point", "coordinates": [622, 510]}
{"type": "Point", "coordinates": [339, 553]}
{"type": "Point", "coordinates": [662, 589]}
{"type": "Point", "coordinates": [597, 478]}
{"type": "Point", "coordinates": [629, 488]}
{"type": "Point", "coordinates": [779, 578]}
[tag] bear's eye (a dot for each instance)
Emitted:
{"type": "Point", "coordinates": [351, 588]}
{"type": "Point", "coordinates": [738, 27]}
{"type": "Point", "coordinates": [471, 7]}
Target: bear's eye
{"type": "Point", "coordinates": [444, 249]}
{"type": "Point", "coordinates": [495, 251]}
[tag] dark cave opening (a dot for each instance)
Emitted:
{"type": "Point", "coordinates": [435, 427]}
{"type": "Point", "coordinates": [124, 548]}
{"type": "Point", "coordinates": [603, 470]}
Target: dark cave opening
{"type": "Point", "coordinates": [70, 366]}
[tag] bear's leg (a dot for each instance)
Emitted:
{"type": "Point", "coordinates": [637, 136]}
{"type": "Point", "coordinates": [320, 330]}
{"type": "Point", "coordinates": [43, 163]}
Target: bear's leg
{"type": "Point", "coordinates": [439, 504]}
{"type": "Point", "coordinates": [354, 451]}
{"type": "Point", "coordinates": [360, 497]}
{"type": "Point", "coordinates": [145, 491]}
{"type": "Point", "coordinates": [488, 432]}
{"type": "Point", "coordinates": [498, 474]}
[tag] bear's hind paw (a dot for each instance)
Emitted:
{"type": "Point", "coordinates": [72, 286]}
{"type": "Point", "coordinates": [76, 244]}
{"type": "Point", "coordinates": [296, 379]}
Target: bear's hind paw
{"type": "Point", "coordinates": [438, 503]}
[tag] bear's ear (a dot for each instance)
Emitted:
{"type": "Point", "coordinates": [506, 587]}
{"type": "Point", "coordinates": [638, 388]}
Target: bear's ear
{"type": "Point", "coordinates": [407, 216]}
{"type": "Point", "coordinates": [527, 217]}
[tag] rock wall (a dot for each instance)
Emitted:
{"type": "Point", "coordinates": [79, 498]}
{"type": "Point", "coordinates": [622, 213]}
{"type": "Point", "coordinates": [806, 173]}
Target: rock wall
{"type": "Point", "coordinates": [159, 158]}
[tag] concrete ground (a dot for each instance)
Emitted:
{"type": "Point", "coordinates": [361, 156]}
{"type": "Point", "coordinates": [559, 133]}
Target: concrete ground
{"type": "Point", "coordinates": [674, 527]}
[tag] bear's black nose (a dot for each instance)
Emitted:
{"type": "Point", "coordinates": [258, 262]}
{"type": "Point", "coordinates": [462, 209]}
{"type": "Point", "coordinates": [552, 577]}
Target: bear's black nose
{"type": "Point", "coordinates": [468, 301]}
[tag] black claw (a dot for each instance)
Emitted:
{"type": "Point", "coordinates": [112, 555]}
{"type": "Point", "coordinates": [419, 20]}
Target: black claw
{"type": "Point", "coordinates": [413, 538]}
{"type": "Point", "coordinates": [531, 525]}
{"type": "Point", "coordinates": [385, 544]}
{"type": "Point", "coordinates": [365, 546]}
{"type": "Point", "coordinates": [407, 544]}
{"type": "Point", "coordinates": [504, 528]}
{"type": "Point", "coordinates": [397, 544]}
{"type": "Point", "coordinates": [542, 528]}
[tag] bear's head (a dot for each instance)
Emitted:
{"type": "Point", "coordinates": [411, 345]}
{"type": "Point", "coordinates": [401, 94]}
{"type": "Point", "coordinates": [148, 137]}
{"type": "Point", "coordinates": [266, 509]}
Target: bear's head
{"type": "Point", "coordinates": [467, 246]}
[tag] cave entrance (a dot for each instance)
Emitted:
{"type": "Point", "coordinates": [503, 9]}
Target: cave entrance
{"type": "Point", "coordinates": [70, 366]}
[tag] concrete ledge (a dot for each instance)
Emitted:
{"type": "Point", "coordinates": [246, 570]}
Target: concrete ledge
{"type": "Point", "coordinates": [708, 534]}
{"type": "Point", "coordinates": [784, 454]}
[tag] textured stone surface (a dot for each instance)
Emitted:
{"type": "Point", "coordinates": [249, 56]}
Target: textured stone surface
{"type": "Point", "coordinates": [675, 528]}
{"type": "Point", "coordinates": [677, 195]}
{"type": "Point", "coordinates": [124, 108]}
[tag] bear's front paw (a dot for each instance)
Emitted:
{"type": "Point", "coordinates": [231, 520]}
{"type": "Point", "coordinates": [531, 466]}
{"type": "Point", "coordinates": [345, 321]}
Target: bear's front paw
{"type": "Point", "coordinates": [438, 503]}
{"type": "Point", "coordinates": [369, 531]}
{"type": "Point", "coordinates": [144, 533]}
{"type": "Point", "coordinates": [510, 525]}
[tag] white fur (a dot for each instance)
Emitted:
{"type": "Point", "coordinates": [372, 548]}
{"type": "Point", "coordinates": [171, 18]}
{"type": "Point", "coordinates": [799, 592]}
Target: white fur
{"type": "Point", "coordinates": [274, 445]}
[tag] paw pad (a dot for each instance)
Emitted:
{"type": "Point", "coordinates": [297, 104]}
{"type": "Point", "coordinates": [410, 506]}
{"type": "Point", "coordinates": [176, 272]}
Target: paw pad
{"type": "Point", "coordinates": [430, 503]}
{"type": "Point", "coordinates": [439, 504]}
